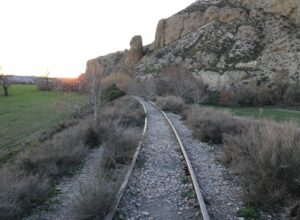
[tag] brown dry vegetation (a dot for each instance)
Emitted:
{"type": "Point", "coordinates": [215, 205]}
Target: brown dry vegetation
{"type": "Point", "coordinates": [264, 154]}
{"type": "Point", "coordinates": [118, 131]}
{"type": "Point", "coordinates": [177, 80]}
{"type": "Point", "coordinates": [209, 125]}
{"type": "Point", "coordinates": [29, 180]}
{"type": "Point", "coordinates": [171, 103]}
{"type": "Point", "coordinates": [59, 84]}
{"type": "Point", "coordinates": [95, 198]}
{"type": "Point", "coordinates": [121, 79]}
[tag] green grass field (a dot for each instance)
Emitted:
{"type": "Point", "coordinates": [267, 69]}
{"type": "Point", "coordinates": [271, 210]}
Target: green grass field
{"type": "Point", "coordinates": [27, 111]}
{"type": "Point", "coordinates": [273, 113]}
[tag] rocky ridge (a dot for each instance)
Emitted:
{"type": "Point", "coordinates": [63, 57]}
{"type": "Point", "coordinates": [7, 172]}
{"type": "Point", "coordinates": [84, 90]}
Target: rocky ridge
{"type": "Point", "coordinates": [226, 43]}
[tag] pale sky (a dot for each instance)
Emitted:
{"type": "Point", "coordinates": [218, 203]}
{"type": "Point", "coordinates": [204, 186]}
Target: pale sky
{"type": "Point", "coordinates": [61, 35]}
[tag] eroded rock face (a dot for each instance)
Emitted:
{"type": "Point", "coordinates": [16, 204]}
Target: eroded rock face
{"type": "Point", "coordinates": [241, 48]}
{"type": "Point", "coordinates": [288, 8]}
{"type": "Point", "coordinates": [175, 27]}
{"type": "Point", "coordinates": [212, 13]}
{"type": "Point", "coordinates": [160, 34]}
{"type": "Point", "coordinates": [119, 61]}
{"type": "Point", "coordinates": [229, 14]}
{"type": "Point", "coordinates": [222, 43]}
{"type": "Point", "coordinates": [135, 52]}
{"type": "Point", "coordinates": [105, 65]}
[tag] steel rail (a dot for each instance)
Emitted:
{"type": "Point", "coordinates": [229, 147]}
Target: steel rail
{"type": "Point", "coordinates": [200, 199]}
{"type": "Point", "coordinates": [121, 191]}
{"type": "Point", "coordinates": [189, 165]}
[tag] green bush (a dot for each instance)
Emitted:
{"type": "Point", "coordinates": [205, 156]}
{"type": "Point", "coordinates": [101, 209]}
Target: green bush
{"type": "Point", "coordinates": [111, 93]}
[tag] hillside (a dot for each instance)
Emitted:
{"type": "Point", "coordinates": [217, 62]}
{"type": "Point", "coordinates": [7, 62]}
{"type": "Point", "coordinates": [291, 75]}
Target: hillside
{"type": "Point", "coordinates": [228, 44]}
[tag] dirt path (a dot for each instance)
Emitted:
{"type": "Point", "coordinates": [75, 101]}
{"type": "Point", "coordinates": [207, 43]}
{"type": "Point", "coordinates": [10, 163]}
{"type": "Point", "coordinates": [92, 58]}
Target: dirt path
{"type": "Point", "coordinates": [158, 188]}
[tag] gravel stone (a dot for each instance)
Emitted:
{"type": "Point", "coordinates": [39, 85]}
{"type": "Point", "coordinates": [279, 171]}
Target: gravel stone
{"type": "Point", "coordinates": [218, 185]}
{"type": "Point", "coordinates": [155, 186]}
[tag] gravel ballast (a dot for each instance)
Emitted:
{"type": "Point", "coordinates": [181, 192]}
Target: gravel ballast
{"type": "Point", "coordinates": [159, 187]}
{"type": "Point", "coordinates": [218, 185]}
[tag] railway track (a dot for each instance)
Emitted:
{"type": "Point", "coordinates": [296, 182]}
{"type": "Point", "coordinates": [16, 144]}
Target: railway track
{"type": "Point", "coordinates": [154, 192]}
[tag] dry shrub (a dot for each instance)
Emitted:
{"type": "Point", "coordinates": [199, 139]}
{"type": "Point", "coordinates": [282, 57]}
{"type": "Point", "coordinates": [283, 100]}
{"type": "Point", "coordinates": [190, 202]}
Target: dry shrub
{"type": "Point", "coordinates": [44, 84]}
{"type": "Point", "coordinates": [121, 79]}
{"type": "Point", "coordinates": [171, 103]}
{"type": "Point", "coordinates": [119, 124]}
{"type": "Point", "coordinates": [145, 86]}
{"type": "Point", "coordinates": [126, 110]}
{"type": "Point", "coordinates": [60, 84]}
{"type": "Point", "coordinates": [28, 181]}
{"type": "Point", "coordinates": [119, 130]}
{"type": "Point", "coordinates": [208, 124]}
{"type": "Point", "coordinates": [94, 199]}
{"type": "Point", "coordinates": [19, 193]}
{"type": "Point", "coordinates": [66, 84]}
{"type": "Point", "coordinates": [292, 95]}
{"type": "Point", "coordinates": [266, 155]}
{"type": "Point", "coordinates": [56, 156]}
{"type": "Point", "coordinates": [177, 80]}
{"type": "Point", "coordinates": [243, 96]}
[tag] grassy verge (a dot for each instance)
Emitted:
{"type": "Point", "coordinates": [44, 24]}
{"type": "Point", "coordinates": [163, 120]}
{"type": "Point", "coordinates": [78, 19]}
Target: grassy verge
{"type": "Point", "coordinates": [28, 181]}
{"type": "Point", "coordinates": [277, 114]}
{"type": "Point", "coordinates": [28, 111]}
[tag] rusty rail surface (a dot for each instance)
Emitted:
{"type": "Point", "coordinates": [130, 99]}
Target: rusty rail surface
{"type": "Point", "coordinates": [200, 199]}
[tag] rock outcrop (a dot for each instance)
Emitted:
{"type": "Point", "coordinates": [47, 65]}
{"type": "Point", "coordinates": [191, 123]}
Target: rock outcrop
{"type": "Point", "coordinates": [288, 8]}
{"type": "Point", "coordinates": [226, 43]}
{"type": "Point", "coordinates": [106, 65]}
{"type": "Point", "coordinates": [232, 46]}
{"type": "Point", "coordinates": [117, 62]}
{"type": "Point", "coordinates": [211, 14]}
{"type": "Point", "coordinates": [175, 27]}
{"type": "Point", "coordinates": [179, 25]}
{"type": "Point", "coordinates": [135, 52]}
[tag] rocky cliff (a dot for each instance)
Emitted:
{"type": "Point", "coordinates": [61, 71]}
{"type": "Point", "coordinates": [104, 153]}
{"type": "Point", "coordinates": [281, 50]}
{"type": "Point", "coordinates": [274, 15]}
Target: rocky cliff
{"type": "Point", "coordinates": [226, 43]}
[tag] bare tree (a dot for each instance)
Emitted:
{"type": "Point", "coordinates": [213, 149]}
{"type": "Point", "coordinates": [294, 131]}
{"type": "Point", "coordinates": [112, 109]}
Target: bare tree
{"type": "Point", "coordinates": [44, 83]}
{"type": "Point", "coordinates": [47, 79]}
{"type": "Point", "coordinates": [93, 82]}
{"type": "Point", "coordinates": [5, 83]}
{"type": "Point", "coordinates": [179, 81]}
